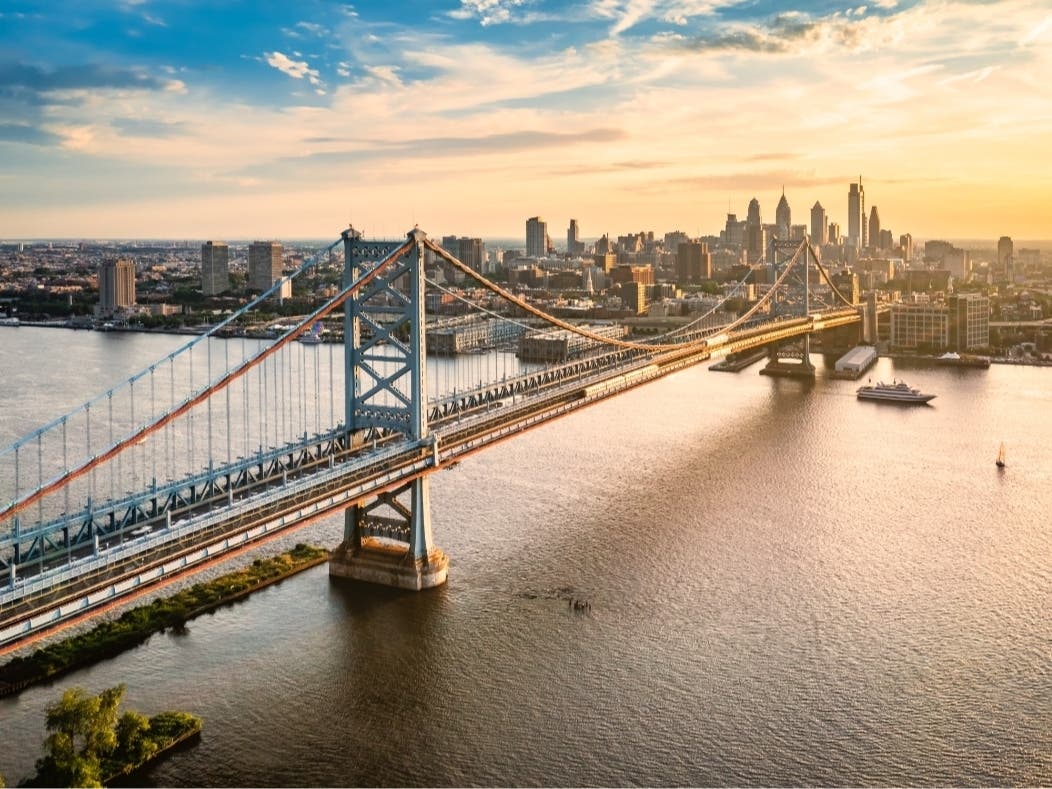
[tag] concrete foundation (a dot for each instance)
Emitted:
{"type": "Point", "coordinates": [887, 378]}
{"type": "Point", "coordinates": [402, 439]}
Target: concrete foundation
{"type": "Point", "coordinates": [381, 563]}
{"type": "Point", "coordinates": [786, 369]}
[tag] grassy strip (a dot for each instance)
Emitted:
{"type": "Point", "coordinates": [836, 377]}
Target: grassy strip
{"type": "Point", "coordinates": [136, 625]}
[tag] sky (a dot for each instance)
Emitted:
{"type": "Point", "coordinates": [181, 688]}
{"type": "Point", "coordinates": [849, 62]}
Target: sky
{"type": "Point", "coordinates": [270, 119]}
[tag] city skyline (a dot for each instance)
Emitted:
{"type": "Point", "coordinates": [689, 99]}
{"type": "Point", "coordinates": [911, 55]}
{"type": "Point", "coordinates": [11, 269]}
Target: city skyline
{"type": "Point", "coordinates": [156, 119]}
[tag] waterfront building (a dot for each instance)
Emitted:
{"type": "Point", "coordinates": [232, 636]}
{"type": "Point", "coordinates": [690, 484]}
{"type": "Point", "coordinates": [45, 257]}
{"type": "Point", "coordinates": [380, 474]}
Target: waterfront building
{"type": "Point", "coordinates": [116, 285]}
{"type": "Point", "coordinates": [923, 326]}
{"type": "Point", "coordinates": [536, 237]}
{"type": "Point", "coordinates": [819, 225]}
{"type": "Point", "coordinates": [215, 268]}
{"type": "Point", "coordinates": [968, 321]}
{"type": "Point", "coordinates": [558, 345]}
{"type": "Point", "coordinates": [264, 265]}
{"type": "Point", "coordinates": [467, 333]}
{"type": "Point", "coordinates": [856, 215]}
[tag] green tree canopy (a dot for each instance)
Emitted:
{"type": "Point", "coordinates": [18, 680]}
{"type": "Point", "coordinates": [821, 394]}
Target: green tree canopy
{"type": "Point", "coordinates": [82, 731]}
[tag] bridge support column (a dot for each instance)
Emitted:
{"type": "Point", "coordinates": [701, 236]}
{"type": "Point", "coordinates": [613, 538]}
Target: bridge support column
{"type": "Point", "coordinates": [791, 364]}
{"type": "Point", "coordinates": [388, 541]}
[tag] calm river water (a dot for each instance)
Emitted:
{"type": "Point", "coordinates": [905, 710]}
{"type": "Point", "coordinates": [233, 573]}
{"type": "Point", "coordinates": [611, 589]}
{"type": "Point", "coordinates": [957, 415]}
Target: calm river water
{"type": "Point", "coordinates": [785, 586]}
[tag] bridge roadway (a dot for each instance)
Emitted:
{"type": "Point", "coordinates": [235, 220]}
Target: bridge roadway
{"type": "Point", "coordinates": [358, 473]}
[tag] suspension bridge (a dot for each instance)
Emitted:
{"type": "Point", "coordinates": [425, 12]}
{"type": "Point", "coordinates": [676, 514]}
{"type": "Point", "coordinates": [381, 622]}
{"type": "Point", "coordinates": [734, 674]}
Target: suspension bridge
{"type": "Point", "coordinates": [230, 439]}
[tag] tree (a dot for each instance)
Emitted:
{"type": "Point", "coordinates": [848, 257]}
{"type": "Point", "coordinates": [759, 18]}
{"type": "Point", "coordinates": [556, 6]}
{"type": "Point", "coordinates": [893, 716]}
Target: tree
{"type": "Point", "coordinates": [83, 730]}
{"type": "Point", "coordinates": [133, 744]}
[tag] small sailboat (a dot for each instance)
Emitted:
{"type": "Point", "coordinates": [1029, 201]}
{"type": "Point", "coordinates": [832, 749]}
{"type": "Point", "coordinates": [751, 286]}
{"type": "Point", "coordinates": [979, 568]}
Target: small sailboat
{"type": "Point", "coordinates": [1001, 456]}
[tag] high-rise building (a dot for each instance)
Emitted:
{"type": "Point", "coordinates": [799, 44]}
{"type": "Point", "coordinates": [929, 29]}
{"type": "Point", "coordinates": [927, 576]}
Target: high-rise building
{"type": "Point", "coordinates": [215, 268]}
{"type": "Point", "coordinates": [471, 252]}
{"type": "Point", "coordinates": [1005, 253]}
{"type": "Point", "coordinates": [783, 218]}
{"type": "Point", "coordinates": [264, 264]}
{"type": "Point", "coordinates": [906, 243]}
{"type": "Point", "coordinates": [574, 245]}
{"type": "Point", "coordinates": [874, 228]}
{"type": "Point", "coordinates": [834, 233]}
{"type": "Point", "coordinates": [755, 239]}
{"type": "Point", "coordinates": [856, 215]}
{"type": "Point", "coordinates": [116, 285]}
{"type": "Point", "coordinates": [969, 321]}
{"type": "Point", "coordinates": [693, 262]}
{"type": "Point", "coordinates": [734, 233]}
{"type": "Point", "coordinates": [819, 225]}
{"type": "Point", "coordinates": [536, 237]}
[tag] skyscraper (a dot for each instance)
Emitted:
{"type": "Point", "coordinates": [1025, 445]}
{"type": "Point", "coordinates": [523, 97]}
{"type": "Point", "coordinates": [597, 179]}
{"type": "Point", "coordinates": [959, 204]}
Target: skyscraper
{"type": "Point", "coordinates": [819, 225]}
{"type": "Point", "coordinates": [906, 243]}
{"type": "Point", "coordinates": [536, 237]}
{"type": "Point", "coordinates": [1005, 253]}
{"type": "Point", "coordinates": [471, 252]}
{"type": "Point", "coordinates": [264, 264]}
{"type": "Point", "coordinates": [215, 268]}
{"type": "Point", "coordinates": [856, 215]}
{"type": "Point", "coordinates": [874, 228]}
{"type": "Point", "coordinates": [783, 218]}
{"type": "Point", "coordinates": [116, 285]}
{"type": "Point", "coordinates": [573, 239]}
{"type": "Point", "coordinates": [755, 243]}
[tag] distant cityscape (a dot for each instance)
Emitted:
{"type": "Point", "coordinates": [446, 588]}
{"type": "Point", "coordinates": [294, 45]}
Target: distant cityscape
{"type": "Point", "coordinates": [994, 299]}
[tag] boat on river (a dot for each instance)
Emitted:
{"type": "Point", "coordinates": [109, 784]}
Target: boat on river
{"type": "Point", "coordinates": [895, 392]}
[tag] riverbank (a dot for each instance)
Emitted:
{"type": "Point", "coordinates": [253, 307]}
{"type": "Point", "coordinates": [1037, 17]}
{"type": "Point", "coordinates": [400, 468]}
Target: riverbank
{"type": "Point", "coordinates": [136, 625]}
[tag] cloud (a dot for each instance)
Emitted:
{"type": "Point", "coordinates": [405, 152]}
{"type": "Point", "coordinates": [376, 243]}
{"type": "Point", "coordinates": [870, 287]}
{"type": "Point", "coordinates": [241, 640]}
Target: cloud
{"type": "Point", "coordinates": [38, 80]}
{"type": "Point", "coordinates": [145, 127]}
{"type": "Point", "coordinates": [297, 69]}
{"type": "Point", "coordinates": [488, 12]}
{"type": "Point", "coordinates": [24, 133]}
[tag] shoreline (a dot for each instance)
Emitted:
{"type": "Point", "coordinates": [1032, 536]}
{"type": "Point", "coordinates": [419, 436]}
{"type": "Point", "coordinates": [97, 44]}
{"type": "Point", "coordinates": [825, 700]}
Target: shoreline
{"type": "Point", "coordinates": [194, 332]}
{"type": "Point", "coordinates": [136, 625]}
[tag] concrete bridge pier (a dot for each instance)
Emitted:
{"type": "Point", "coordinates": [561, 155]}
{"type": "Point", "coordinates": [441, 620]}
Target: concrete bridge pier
{"type": "Point", "coordinates": [388, 541]}
{"type": "Point", "coordinates": [790, 363]}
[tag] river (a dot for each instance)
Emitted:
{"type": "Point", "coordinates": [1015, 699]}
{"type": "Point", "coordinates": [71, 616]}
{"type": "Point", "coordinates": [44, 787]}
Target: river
{"type": "Point", "coordinates": [784, 585]}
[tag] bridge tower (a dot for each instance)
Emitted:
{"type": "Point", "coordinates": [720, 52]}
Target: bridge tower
{"type": "Point", "coordinates": [388, 540]}
{"type": "Point", "coordinates": [792, 359]}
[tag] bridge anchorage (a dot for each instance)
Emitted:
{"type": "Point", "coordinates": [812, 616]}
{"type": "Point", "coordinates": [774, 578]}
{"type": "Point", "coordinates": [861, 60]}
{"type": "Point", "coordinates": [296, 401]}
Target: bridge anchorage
{"type": "Point", "coordinates": [388, 540]}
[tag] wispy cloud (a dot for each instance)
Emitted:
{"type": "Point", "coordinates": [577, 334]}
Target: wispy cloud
{"type": "Point", "coordinates": [146, 127]}
{"type": "Point", "coordinates": [297, 69]}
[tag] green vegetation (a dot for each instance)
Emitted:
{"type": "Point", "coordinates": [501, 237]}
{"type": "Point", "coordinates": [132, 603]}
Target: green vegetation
{"type": "Point", "coordinates": [136, 625]}
{"type": "Point", "coordinates": [89, 745]}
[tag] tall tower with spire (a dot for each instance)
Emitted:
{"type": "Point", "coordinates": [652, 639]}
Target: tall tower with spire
{"type": "Point", "coordinates": [783, 217]}
{"type": "Point", "coordinates": [819, 225]}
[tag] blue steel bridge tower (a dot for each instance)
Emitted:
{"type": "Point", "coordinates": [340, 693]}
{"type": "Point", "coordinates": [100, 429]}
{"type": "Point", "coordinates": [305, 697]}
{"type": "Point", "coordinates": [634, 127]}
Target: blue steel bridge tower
{"type": "Point", "coordinates": [388, 540]}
